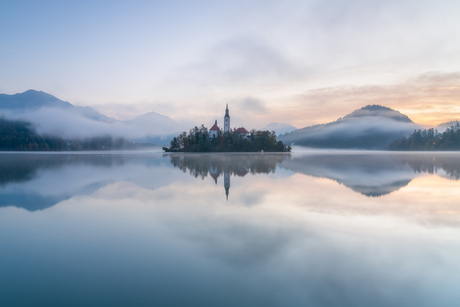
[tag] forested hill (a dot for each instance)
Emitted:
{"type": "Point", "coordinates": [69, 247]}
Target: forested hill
{"type": "Point", "coordinates": [371, 127]}
{"type": "Point", "coordinates": [379, 111]}
{"type": "Point", "coordinates": [20, 136]}
{"type": "Point", "coordinates": [430, 139]}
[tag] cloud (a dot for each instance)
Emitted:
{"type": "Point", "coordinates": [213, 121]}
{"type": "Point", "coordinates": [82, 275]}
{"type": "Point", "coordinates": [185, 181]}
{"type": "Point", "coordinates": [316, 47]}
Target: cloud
{"type": "Point", "coordinates": [123, 111]}
{"type": "Point", "coordinates": [429, 98]}
{"type": "Point", "coordinates": [250, 104]}
{"type": "Point", "coordinates": [65, 124]}
{"type": "Point", "coordinates": [241, 62]}
{"type": "Point", "coordinates": [362, 126]}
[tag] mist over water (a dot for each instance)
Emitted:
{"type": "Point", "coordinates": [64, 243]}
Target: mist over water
{"type": "Point", "coordinates": [311, 228]}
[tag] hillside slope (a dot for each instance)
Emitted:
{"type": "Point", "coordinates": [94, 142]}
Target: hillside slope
{"type": "Point", "coordinates": [371, 127]}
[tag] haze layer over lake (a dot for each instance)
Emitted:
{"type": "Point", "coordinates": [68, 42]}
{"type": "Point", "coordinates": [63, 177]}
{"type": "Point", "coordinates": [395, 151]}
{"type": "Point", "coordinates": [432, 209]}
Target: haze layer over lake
{"type": "Point", "coordinates": [310, 228]}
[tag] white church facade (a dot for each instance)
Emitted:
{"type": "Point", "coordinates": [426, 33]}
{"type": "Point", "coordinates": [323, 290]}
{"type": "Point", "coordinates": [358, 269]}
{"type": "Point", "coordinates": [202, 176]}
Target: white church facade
{"type": "Point", "coordinates": [215, 128]}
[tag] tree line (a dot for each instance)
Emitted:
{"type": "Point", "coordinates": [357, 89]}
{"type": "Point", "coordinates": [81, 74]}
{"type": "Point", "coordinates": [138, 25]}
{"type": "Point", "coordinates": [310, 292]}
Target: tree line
{"type": "Point", "coordinates": [199, 140]}
{"type": "Point", "coordinates": [20, 136]}
{"type": "Point", "coordinates": [430, 139]}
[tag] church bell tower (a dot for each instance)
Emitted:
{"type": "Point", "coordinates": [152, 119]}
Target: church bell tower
{"type": "Point", "coordinates": [226, 120]}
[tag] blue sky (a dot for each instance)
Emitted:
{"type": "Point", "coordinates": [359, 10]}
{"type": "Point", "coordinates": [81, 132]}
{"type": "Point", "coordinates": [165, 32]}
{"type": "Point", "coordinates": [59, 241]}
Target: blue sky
{"type": "Point", "coordinates": [300, 62]}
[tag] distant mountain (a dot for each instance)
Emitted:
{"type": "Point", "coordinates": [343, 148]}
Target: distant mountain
{"type": "Point", "coordinates": [52, 116]}
{"type": "Point", "coordinates": [155, 122]}
{"type": "Point", "coordinates": [33, 100]}
{"type": "Point", "coordinates": [157, 129]}
{"type": "Point", "coordinates": [371, 127]}
{"type": "Point", "coordinates": [279, 128]}
{"type": "Point", "coordinates": [379, 111]}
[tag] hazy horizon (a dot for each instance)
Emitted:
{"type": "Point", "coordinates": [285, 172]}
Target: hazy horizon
{"type": "Point", "coordinates": [295, 62]}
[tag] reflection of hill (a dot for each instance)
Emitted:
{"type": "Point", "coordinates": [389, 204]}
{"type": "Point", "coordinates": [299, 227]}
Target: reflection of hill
{"type": "Point", "coordinates": [375, 174]}
{"type": "Point", "coordinates": [369, 174]}
{"type": "Point", "coordinates": [35, 201]}
{"type": "Point", "coordinates": [39, 181]}
{"type": "Point", "coordinates": [23, 167]}
{"type": "Point", "coordinates": [217, 164]}
{"type": "Point", "coordinates": [376, 191]}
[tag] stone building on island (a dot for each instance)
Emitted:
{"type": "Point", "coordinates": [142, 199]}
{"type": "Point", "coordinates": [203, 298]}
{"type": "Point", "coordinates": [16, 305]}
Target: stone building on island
{"type": "Point", "coordinates": [240, 131]}
{"type": "Point", "coordinates": [213, 130]}
{"type": "Point", "coordinates": [243, 132]}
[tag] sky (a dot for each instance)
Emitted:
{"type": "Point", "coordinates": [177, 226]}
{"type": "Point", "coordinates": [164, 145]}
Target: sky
{"type": "Point", "coordinates": [300, 62]}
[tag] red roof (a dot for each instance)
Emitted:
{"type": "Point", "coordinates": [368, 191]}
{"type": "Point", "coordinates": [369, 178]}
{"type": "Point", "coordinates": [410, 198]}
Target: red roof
{"type": "Point", "coordinates": [214, 127]}
{"type": "Point", "coordinates": [215, 176]}
{"type": "Point", "coordinates": [242, 173]}
{"type": "Point", "coordinates": [241, 130]}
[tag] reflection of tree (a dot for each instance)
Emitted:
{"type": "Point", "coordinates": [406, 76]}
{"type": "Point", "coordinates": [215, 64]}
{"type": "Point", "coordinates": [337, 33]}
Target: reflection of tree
{"type": "Point", "coordinates": [226, 164]}
{"type": "Point", "coordinates": [217, 164]}
{"type": "Point", "coordinates": [432, 163]}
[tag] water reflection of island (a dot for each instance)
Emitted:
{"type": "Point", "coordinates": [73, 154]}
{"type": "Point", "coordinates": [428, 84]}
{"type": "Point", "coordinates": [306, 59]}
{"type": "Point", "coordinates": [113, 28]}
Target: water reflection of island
{"type": "Point", "coordinates": [375, 174]}
{"type": "Point", "coordinates": [39, 181]}
{"type": "Point", "coordinates": [225, 165]}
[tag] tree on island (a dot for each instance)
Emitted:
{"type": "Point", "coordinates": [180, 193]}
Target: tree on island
{"type": "Point", "coordinates": [199, 140]}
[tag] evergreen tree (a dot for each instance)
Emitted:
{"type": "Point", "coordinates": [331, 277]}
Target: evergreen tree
{"type": "Point", "coordinates": [430, 139]}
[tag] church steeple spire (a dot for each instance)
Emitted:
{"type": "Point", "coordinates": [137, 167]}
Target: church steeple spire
{"type": "Point", "coordinates": [226, 183]}
{"type": "Point", "coordinates": [226, 112]}
{"type": "Point", "coordinates": [226, 121]}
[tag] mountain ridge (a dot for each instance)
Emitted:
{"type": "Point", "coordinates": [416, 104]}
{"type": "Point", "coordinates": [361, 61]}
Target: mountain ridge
{"type": "Point", "coordinates": [32, 100]}
{"type": "Point", "coordinates": [378, 110]}
{"type": "Point", "coordinates": [279, 128]}
{"type": "Point", "coordinates": [50, 115]}
{"type": "Point", "coordinates": [370, 127]}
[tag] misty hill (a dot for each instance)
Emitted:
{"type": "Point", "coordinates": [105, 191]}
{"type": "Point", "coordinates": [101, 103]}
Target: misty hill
{"type": "Point", "coordinates": [279, 128]}
{"type": "Point", "coordinates": [33, 100]}
{"type": "Point", "coordinates": [371, 127]}
{"type": "Point", "coordinates": [379, 111]}
{"type": "Point", "coordinates": [50, 116]}
{"type": "Point", "coordinates": [21, 136]}
{"type": "Point", "coordinates": [153, 121]}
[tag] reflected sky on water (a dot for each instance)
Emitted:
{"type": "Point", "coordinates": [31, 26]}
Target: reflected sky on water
{"type": "Point", "coordinates": [314, 228]}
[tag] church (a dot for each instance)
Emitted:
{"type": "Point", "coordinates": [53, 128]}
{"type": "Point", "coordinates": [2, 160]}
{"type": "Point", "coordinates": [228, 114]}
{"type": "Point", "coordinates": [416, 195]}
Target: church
{"type": "Point", "coordinates": [214, 129]}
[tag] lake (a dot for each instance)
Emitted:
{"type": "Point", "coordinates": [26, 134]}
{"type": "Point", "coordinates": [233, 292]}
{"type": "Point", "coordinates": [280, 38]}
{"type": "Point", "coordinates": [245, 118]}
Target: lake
{"type": "Point", "coordinates": [310, 228]}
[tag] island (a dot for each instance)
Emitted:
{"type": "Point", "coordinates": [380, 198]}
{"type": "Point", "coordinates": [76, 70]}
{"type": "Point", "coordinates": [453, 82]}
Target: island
{"type": "Point", "coordinates": [200, 139]}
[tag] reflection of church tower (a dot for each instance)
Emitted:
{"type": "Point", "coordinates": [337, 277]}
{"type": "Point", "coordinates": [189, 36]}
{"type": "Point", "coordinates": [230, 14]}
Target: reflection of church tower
{"type": "Point", "coordinates": [226, 183]}
{"type": "Point", "coordinates": [226, 120]}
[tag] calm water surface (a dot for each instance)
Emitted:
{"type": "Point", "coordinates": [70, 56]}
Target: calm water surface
{"type": "Point", "coordinates": [313, 228]}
